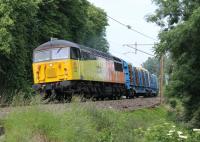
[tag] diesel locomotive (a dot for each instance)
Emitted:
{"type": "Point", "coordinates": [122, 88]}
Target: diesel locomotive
{"type": "Point", "coordinates": [62, 69]}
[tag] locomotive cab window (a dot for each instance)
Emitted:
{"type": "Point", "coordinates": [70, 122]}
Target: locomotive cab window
{"type": "Point", "coordinates": [51, 54]}
{"type": "Point", "coordinates": [118, 66]}
{"type": "Point", "coordinates": [88, 56]}
{"type": "Point", "coordinates": [85, 55]}
{"type": "Point", "coordinates": [60, 53]}
{"type": "Point", "coordinates": [42, 55]}
{"type": "Point", "coordinates": [74, 53]}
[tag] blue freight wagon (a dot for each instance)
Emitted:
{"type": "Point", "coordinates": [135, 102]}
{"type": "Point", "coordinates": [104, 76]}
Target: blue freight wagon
{"type": "Point", "coordinates": [139, 82]}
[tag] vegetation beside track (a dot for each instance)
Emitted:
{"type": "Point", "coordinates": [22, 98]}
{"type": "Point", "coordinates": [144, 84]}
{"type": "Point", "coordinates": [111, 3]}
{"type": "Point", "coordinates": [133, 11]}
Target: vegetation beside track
{"type": "Point", "coordinates": [26, 24]}
{"type": "Point", "coordinates": [88, 123]}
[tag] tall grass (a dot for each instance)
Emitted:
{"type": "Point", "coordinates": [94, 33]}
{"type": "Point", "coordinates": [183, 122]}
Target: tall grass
{"type": "Point", "coordinates": [78, 124]}
{"type": "Point", "coordinates": [16, 97]}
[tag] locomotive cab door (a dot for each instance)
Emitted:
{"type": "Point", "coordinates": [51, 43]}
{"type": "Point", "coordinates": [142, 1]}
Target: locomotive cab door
{"type": "Point", "coordinates": [75, 62]}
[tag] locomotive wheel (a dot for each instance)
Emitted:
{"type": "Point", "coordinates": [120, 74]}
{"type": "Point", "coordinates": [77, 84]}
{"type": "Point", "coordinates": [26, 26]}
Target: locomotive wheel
{"type": "Point", "coordinates": [68, 97]}
{"type": "Point", "coordinates": [114, 97]}
{"type": "Point", "coordinates": [53, 96]}
{"type": "Point", "coordinates": [59, 96]}
{"type": "Point", "coordinates": [101, 95]}
{"type": "Point", "coordinates": [118, 93]}
{"type": "Point", "coordinates": [83, 97]}
{"type": "Point", "coordinates": [128, 94]}
{"type": "Point", "coordinates": [46, 94]}
{"type": "Point", "coordinates": [132, 94]}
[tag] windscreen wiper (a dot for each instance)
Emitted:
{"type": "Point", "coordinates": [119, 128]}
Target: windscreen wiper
{"type": "Point", "coordinates": [59, 50]}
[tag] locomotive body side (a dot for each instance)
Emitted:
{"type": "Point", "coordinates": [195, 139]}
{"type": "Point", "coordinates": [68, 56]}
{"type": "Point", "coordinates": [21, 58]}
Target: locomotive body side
{"type": "Point", "coordinates": [65, 68]}
{"type": "Point", "coordinates": [74, 65]}
{"type": "Point", "coordinates": [95, 67]}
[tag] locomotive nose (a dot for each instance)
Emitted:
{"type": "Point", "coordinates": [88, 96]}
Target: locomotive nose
{"type": "Point", "coordinates": [56, 70]}
{"type": "Point", "coordinates": [51, 72]}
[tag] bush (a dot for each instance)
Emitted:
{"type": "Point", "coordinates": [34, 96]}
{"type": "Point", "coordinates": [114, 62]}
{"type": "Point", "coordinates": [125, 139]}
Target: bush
{"type": "Point", "coordinates": [168, 133]}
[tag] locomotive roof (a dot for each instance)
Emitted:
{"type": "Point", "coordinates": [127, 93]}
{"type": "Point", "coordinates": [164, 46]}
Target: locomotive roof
{"type": "Point", "coordinates": [56, 44]}
{"type": "Point", "coordinates": [65, 43]}
{"type": "Point", "coordinates": [96, 52]}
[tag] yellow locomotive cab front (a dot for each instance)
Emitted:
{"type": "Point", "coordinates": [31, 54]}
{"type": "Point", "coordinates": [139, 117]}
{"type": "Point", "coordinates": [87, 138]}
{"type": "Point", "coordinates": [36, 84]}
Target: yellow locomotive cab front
{"type": "Point", "coordinates": [54, 65]}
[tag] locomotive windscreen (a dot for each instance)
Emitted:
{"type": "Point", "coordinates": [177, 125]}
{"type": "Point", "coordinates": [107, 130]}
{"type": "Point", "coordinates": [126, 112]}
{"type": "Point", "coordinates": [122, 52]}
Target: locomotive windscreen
{"type": "Point", "coordinates": [51, 54]}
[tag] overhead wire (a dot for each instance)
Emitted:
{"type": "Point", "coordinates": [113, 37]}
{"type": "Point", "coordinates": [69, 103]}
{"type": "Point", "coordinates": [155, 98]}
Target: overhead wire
{"type": "Point", "coordinates": [130, 46]}
{"type": "Point", "coordinates": [140, 51]}
{"type": "Point", "coordinates": [131, 28]}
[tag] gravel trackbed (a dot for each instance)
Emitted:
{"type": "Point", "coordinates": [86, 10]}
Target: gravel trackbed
{"type": "Point", "coordinates": [122, 105]}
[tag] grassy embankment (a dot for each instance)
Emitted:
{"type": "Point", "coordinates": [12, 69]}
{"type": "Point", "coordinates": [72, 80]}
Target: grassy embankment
{"type": "Point", "coordinates": [88, 124]}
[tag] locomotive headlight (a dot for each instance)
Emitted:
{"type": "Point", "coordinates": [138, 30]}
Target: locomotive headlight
{"type": "Point", "coordinates": [50, 65]}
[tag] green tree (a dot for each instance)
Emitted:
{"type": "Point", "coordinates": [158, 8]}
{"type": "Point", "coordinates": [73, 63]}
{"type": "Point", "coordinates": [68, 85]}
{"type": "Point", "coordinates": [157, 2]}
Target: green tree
{"type": "Point", "coordinates": [75, 20]}
{"type": "Point", "coordinates": [152, 65]}
{"type": "Point", "coordinates": [16, 17]}
{"type": "Point", "coordinates": [180, 36]}
{"type": "Point", "coordinates": [96, 27]}
{"type": "Point", "coordinates": [25, 24]}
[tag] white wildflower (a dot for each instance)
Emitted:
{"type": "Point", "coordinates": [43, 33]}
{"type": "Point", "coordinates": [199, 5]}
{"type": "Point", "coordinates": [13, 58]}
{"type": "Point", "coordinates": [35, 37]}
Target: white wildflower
{"type": "Point", "coordinates": [179, 132]}
{"type": "Point", "coordinates": [171, 131]}
{"type": "Point", "coordinates": [182, 137]}
{"type": "Point", "coordinates": [196, 130]}
{"type": "Point", "coordinates": [169, 134]}
{"type": "Point", "coordinates": [173, 126]}
{"type": "Point", "coordinates": [148, 129]}
{"type": "Point", "coordinates": [166, 123]}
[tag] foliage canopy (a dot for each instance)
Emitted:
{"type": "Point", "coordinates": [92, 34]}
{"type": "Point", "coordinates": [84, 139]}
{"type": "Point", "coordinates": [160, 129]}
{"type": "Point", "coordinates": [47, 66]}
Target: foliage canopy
{"type": "Point", "coordinates": [25, 24]}
{"type": "Point", "coordinates": [152, 65]}
{"type": "Point", "coordinates": [180, 36]}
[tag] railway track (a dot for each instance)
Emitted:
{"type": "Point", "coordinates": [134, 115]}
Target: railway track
{"type": "Point", "coordinates": [128, 104]}
{"type": "Point", "coordinates": [122, 105]}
